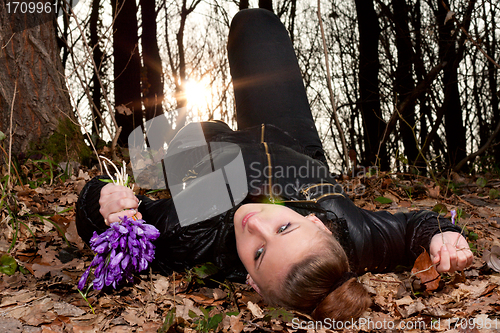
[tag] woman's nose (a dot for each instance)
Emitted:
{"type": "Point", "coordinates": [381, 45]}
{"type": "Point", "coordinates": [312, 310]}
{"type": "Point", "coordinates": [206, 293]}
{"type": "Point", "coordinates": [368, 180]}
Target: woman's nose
{"type": "Point", "coordinates": [255, 226]}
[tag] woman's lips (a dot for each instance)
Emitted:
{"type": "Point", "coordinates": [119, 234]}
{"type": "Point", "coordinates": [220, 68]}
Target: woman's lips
{"type": "Point", "coordinates": [245, 219]}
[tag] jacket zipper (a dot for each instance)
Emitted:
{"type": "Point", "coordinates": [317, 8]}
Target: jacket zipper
{"type": "Point", "coordinates": [270, 174]}
{"type": "Point", "coordinates": [270, 169]}
{"type": "Point", "coordinates": [315, 200]}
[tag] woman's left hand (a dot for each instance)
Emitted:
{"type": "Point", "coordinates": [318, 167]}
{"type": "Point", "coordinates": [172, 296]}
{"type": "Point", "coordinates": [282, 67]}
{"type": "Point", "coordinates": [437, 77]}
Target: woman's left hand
{"type": "Point", "coordinates": [450, 251]}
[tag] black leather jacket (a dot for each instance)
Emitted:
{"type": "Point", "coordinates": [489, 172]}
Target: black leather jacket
{"type": "Point", "coordinates": [374, 241]}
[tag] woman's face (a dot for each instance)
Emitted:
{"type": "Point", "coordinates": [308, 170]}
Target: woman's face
{"type": "Point", "coordinates": [271, 238]}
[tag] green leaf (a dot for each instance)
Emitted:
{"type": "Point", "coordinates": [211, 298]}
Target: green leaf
{"type": "Point", "coordinates": [473, 247]}
{"type": "Point", "coordinates": [169, 321]}
{"type": "Point", "coordinates": [277, 313]}
{"type": "Point", "coordinates": [232, 313]}
{"type": "Point", "coordinates": [8, 265]}
{"type": "Point", "coordinates": [440, 209]}
{"type": "Point", "coordinates": [494, 193]}
{"type": "Point", "coordinates": [383, 200]}
{"type": "Point", "coordinates": [214, 321]}
{"type": "Point", "coordinates": [481, 182]}
{"type": "Point", "coordinates": [192, 314]}
{"type": "Point", "coordinates": [205, 311]}
{"type": "Point", "coordinates": [472, 236]}
{"type": "Point", "coordinates": [2, 136]}
{"type": "Point", "coordinates": [23, 270]}
{"type": "Point", "coordinates": [205, 270]}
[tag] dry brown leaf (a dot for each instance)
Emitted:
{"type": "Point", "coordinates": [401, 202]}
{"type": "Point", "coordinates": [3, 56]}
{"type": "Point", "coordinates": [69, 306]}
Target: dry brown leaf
{"type": "Point", "coordinates": [408, 306]}
{"type": "Point", "coordinates": [132, 317]}
{"type": "Point", "coordinates": [72, 235]}
{"type": "Point", "coordinates": [60, 221]}
{"type": "Point", "coordinates": [255, 309]}
{"type": "Point", "coordinates": [236, 323]}
{"type": "Point", "coordinates": [182, 311]}
{"type": "Point", "coordinates": [219, 294]}
{"type": "Point", "coordinates": [433, 191]}
{"type": "Point", "coordinates": [67, 310]}
{"type": "Point", "coordinates": [161, 285]}
{"type": "Point", "coordinates": [426, 272]}
{"type": "Point", "coordinates": [122, 109]}
{"type": "Point", "coordinates": [68, 199]}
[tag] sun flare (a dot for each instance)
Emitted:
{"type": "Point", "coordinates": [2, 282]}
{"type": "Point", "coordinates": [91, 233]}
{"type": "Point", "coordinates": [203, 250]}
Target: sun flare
{"type": "Point", "coordinates": [197, 95]}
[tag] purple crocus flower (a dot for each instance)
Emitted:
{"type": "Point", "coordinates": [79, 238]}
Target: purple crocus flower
{"type": "Point", "coordinates": [453, 216]}
{"type": "Point", "coordinates": [83, 279]}
{"type": "Point", "coordinates": [122, 250]}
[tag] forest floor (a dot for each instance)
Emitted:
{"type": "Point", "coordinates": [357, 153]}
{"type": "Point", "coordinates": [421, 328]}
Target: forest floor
{"type": "Point", "coordinates": [40, 292]}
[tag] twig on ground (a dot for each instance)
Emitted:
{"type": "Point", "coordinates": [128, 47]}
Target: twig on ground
{"type": "Point", "coordinates": [10, 135]}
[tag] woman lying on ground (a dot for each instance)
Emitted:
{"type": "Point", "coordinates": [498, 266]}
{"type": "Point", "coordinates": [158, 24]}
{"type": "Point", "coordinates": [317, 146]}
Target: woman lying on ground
{"type": "Point", "coordinates": [295, 235]}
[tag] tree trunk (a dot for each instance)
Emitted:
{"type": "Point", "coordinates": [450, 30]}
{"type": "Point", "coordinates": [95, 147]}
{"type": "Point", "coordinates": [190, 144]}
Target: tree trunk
{"type": "Point", "coordinates": [243, 4]}
{"type": "Point", "coordinates": [266, 4]}
{"type": "Point", "coordinates": [152, 84]}
{"type": "Point", "coordinates": [454, 125]}
{"type": "Point", "coordinates": [491, 48]}
{"type": "Point", "coordinates": [404, 84]}
{"type": "Point", "coordinates": [369, 64]}
{"type": "Point", "coordinates": [97, 55]}
{"type": "Point", "coordinates": [126, 67]}
{"type": "Point", "coordinates": [181, 81]}
{"type": "Point", "coordinates": [32, 83]}
{"type": "Point", "coordinates": [291, 25]}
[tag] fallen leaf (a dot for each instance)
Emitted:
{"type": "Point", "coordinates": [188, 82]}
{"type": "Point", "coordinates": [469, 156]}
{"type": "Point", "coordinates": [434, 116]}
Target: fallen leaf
{"type": "Point", "coordinates": [426, 272]}
{"type": "Point", "coordinates": [132, 317]}
{"type": "Point", "coordinates": [219, 294]}
{"type": "Point", "coordinates": [10, 325]}
{"type": "Point", "coordinates": [84, 175]}
{"type": "Point", "coordinates": [433, 191]}
{"type": "Point", "coordinates": [67, 310]}
{"type": "Point", "coordinates": [72, 235]}
{"type": "Point", "coordinates": [183, 310]}
{"type": "Point", "coordinates": [161, 285]}
{"type": "Point", "coordinates": [408, 306]}
{"type": "Point", "coordinates": [255, 309]}
{"type": "Point", "coordinates": [492, 258]}
{"type": "Point", "coordinates": [68, 199]}
{"type": "Point", "coordinates": [236, 324]}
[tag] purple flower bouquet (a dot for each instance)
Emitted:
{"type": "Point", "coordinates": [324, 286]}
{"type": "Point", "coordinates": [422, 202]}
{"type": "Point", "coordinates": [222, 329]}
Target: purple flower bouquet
{"type": "Point", "coordinates": [120, 251]}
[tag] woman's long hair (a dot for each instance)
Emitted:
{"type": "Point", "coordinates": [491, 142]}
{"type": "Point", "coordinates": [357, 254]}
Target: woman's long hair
{"type": "Point", "coordinates": [321, 284]}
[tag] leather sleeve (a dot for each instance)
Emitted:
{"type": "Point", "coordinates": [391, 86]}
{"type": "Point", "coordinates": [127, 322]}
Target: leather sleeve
{"type": "Point", "coordinates": [177, 248]}
{"type": "Point", "coordinates": [421, 227]}
{"type": "Point", "coordinates": [88, 217]}
{"type": "Point", "coordinates": [381, 240]}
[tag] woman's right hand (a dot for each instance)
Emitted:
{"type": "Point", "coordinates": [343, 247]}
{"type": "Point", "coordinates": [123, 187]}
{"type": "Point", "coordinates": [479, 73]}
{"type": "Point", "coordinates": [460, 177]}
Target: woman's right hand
{"type": "Point", "coordinates": [117, 201]}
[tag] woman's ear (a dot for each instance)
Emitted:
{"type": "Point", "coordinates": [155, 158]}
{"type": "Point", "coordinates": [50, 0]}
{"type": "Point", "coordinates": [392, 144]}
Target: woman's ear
{"type": "Point", "coordinates": [251, 282]}
{"type": "Point", "coordinates": [318, 222]}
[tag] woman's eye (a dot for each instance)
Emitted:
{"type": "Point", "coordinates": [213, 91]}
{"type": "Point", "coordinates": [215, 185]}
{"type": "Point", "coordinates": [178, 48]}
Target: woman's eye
{"type": "Point", "coordinates": [259, 253]}
{"type": "Point", "coordinates": [283, 228]}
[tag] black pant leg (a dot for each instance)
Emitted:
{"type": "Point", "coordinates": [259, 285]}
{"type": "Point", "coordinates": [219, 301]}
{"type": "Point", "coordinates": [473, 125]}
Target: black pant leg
{"type": "Point", "coordinates": [267, 82]}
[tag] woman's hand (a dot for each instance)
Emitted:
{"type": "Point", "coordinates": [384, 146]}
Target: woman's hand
{"type": "Point", "coordinates": [117, 201]}
{"type": "Point", "coordinates": [450, 251]}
